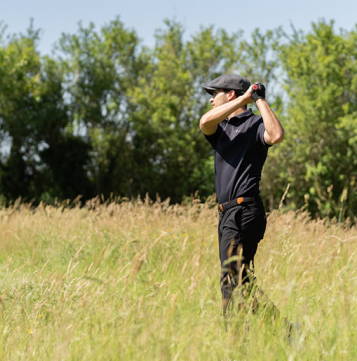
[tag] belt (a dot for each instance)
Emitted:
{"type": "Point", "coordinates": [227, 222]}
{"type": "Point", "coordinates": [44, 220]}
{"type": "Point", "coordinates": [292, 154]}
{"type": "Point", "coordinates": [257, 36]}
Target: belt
{"type": "Point", "coordinates": [235, 202]}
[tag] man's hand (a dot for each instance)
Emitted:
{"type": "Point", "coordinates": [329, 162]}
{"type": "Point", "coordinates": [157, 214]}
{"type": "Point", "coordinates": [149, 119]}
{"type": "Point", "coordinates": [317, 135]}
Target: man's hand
{"type": "Point", "coordinates": [247, 96]}
{"type": "Point", "coordinates": [258, 91]}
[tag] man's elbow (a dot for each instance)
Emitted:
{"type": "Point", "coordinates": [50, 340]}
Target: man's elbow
{"type": "Point", "coordinates": [278, 137]}
{"type": "Point", "coordinates": [202, 121]}
{"type": "Point", "coordinates": [207, 127]}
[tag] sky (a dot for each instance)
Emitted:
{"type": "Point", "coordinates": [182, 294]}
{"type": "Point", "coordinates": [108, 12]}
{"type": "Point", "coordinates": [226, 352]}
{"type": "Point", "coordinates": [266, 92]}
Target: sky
{"type": "Point", "coordinates": [145, 17]}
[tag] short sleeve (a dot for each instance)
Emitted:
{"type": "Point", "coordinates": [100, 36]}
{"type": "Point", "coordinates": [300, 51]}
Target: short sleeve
{"type": "Point", "coordinates": [213, 138]}
{"type": "Point", "coordinates": [260, 134]}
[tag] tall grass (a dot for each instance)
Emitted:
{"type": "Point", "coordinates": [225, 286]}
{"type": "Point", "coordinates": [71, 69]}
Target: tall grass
{"type": "Point", "coordinates": [140, 281]}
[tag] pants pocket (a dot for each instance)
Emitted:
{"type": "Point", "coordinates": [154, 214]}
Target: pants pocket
{"type": "Point", "coordinates": [252, 223]}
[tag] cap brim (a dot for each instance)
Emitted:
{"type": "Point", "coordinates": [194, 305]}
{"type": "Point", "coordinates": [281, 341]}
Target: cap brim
{"type": "Point", "coordinates": [209, 90]}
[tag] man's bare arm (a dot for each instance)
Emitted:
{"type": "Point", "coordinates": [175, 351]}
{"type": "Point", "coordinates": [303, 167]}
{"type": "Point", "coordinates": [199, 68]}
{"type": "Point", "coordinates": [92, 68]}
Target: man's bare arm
{"type": "Point", "coordinates": [210, 120]}
{"type": "Point", "coordinates": [274, 132]}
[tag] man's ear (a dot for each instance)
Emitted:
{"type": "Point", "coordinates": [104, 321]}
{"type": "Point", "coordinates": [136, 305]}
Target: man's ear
{"type": "Point", "coordinates": [231, 95]}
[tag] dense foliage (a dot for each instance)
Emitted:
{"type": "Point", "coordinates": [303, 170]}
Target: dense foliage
{"type": "Point", "coordinates": [106, 115]}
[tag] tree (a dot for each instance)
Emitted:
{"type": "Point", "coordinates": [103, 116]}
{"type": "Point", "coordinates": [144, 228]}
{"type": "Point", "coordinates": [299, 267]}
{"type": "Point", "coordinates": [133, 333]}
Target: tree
{"type": "Point", "coordinates": [20, 88]}
{"type": "Point", "coordinates": [102, 69]}
{"type": "Point", "coordinates": [321, 132]}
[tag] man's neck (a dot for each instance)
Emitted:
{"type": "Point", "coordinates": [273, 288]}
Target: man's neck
{"type": "Point", "coordinates": [238, 111]}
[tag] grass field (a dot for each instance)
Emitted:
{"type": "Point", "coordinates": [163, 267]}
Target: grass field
{"type": "Point", "coordinates": [140, 281]}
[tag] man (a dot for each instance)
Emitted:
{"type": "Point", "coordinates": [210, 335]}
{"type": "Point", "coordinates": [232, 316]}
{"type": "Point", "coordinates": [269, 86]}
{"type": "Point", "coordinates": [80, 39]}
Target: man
{"type": "Point", "coordinates": [241, 141]}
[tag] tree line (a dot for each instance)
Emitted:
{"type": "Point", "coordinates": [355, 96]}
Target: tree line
{"type": "Point", "coordinates": [107, 115]}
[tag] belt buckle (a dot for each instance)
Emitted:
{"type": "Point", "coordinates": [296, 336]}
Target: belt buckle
{"type": "Point", "coordinates": [240, 200]}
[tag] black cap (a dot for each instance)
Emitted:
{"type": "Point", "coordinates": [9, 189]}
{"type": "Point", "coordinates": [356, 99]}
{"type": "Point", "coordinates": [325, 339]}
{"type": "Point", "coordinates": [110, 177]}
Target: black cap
{"type": "Point", "coordinates": [228, 82]}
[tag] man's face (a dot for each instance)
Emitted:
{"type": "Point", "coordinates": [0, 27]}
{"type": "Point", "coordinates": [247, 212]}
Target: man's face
{"type": "Point", "coordinates": [218, 98]}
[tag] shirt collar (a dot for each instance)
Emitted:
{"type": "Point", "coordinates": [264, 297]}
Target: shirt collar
{"type": "Point", "coordinates": [240, 117]}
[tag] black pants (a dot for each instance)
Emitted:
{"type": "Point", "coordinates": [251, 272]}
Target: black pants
{"type": "Point", "coordinates": [240, 229]}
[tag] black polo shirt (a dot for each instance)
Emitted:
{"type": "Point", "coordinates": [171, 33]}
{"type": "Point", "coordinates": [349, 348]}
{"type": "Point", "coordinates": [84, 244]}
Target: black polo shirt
{"type": "Point", "coordinates": [240, 153]}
